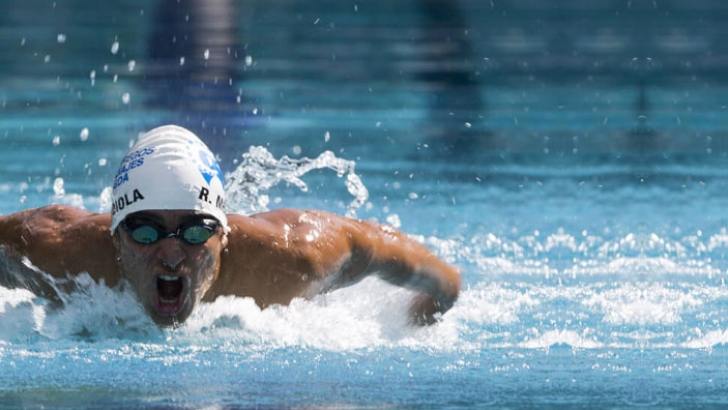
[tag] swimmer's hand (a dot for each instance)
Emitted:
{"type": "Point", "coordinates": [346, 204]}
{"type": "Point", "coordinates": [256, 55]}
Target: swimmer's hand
{"type": "Point", "coordinates": [424, 310]}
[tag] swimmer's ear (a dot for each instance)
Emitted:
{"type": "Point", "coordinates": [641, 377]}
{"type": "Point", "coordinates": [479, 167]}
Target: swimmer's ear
{"type": "Point", "coordinates": [224, 240]}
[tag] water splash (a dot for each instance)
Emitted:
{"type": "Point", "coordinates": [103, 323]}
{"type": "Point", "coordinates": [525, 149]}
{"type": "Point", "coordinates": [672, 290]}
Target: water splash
{"type": "Point", "coordinates": [260, 171]}
{"type": "Point", "coordinates": [524, 290]}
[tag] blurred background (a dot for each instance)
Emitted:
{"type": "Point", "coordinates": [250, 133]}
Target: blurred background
{"type": "Point", "coordinates": [563, 82]}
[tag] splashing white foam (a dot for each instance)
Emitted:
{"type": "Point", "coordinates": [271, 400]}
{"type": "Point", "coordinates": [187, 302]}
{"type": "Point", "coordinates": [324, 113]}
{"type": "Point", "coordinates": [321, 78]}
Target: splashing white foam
{"type": "Point", "coordinates": [371, 313]}
{"type": "Point", "coordinates": [492, 304]}
{"type": "Point", "coordinates": [21, 313]}
{"type": "Point", "coordinates": [642, 304]}
{"type": "Point", "coordinates": [97, 311]}
{"type": "Point", "coordinates": [708, 341]}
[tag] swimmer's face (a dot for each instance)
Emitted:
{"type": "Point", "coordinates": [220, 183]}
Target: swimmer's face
{"type": "Point", "coordinates": [169, 275]}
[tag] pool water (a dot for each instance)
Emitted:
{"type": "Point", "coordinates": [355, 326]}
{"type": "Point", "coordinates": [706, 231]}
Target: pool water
{"type": "Point", "coordinates": [575, 173]}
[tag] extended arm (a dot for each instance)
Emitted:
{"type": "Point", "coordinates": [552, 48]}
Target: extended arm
{"type": "Point", "coordinates": [402, 261]}
{"type": "Point", "coordinates": [344, 251]}
{"type": "Point", "coordinates": [287, 253]}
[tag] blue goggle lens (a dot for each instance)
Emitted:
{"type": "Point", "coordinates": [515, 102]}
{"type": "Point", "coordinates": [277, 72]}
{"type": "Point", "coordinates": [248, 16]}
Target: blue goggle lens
{"type": "Point", "coordinates": [197, 234]}
{"type": "Point", "coordinates": [145, 234]}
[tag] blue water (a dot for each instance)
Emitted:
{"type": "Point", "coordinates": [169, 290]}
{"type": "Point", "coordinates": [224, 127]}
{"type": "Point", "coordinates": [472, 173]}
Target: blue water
{"type": "Point", "coordinates": [571, 165]}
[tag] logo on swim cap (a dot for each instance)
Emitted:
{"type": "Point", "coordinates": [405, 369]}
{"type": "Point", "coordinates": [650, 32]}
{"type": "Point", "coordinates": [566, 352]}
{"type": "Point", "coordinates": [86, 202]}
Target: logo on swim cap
{"type": "Point", "coordinates": [130, 161]}
{"type": "Point", "coordinates": [174, 170]}
{"type": "Point", "coordinates": [209, 167]}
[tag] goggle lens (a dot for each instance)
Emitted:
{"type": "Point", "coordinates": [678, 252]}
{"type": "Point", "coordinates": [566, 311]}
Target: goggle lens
{"type": "Point", "coordinates": [197, 234]}
{"type": "Point", "coordinates": [145, 234]}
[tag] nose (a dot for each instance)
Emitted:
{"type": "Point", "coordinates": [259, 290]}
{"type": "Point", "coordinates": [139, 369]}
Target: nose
{"type": "Point", "coordinates": [170, 254]}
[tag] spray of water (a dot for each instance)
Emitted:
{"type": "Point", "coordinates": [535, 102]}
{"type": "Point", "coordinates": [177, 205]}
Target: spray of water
{"type": "Point", "coordinates": [259, 171]}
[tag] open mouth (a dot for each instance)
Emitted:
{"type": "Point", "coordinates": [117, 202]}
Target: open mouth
{"type": "Point", "coordinates": [170, 294]}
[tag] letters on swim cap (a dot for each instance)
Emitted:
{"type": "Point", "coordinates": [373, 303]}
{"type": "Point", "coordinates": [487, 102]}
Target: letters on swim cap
{"type": "Point", "coordinates": [169, 168]}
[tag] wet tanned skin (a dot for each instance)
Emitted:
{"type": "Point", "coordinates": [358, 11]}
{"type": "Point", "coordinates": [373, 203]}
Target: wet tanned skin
{"type": "Point", "coordinates": [272, 257]}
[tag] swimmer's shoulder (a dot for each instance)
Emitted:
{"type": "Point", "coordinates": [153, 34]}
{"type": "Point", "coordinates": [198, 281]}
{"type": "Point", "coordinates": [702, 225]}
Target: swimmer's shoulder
{"type": "Point", "coordinates": [313, 240]}
{"type": "Point", "coordinates": [292, 240]}
{"type": "Point", "coordinates": [61, 239]}
{"type": "Point", "coordinates": [284, 225]}
{"type": "Point", "coordinates": [18, 229]}
{"type": "Point", "coordinates": [52, 222]}
{"type": "Point", "coordinates": [263, 225]}
{"type": "Point", "coordinates": [268, 258]}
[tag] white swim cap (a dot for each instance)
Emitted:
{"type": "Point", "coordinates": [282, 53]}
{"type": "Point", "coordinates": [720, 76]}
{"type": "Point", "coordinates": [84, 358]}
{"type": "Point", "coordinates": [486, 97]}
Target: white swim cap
{"type": "Point", "coordinates": [168, 168]}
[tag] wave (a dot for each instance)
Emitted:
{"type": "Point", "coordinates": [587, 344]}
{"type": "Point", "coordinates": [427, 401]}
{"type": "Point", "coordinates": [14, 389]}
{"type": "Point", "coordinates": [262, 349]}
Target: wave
{"type": "Point", "coordinates": [372, 314]}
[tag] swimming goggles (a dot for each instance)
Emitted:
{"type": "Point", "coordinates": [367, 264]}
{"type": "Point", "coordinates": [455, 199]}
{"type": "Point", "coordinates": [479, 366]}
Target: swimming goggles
{"type": "Point", "coordinates": [146, 232]}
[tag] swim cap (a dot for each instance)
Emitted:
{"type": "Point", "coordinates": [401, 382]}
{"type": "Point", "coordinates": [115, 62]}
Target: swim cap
{"type": "Point", "coordinates": [168, 168]}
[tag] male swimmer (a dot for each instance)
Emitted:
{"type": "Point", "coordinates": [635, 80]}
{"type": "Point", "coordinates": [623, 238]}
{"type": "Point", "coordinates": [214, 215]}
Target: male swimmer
{"type": "Point", "coordinates": [168, 237]}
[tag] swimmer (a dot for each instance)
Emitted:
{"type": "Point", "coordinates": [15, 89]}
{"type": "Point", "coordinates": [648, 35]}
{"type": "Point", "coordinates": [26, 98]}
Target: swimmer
{"type": "Point", "coordinates": [169, 238]}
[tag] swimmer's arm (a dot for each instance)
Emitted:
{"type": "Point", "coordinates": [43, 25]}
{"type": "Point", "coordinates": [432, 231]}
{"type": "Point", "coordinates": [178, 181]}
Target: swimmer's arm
{"type": "Point", "coordinates": [404, 262]}
{"type": "Point", "coordinates": [16, 271]}
{"type": "Point", "coordinates": [339, 251]}
{"type": "Point", "coordinates": [60, 240]}
{"type": "Point", "coordinates": [11, 230]}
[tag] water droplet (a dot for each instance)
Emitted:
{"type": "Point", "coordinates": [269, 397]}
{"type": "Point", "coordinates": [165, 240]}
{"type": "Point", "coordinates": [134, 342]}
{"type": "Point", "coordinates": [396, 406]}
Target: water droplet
{"type": "Point", "coordinates": [181, 61]}
{"type": "Point", "coordinates": [22, 42]}
{"type": "Point", "coordinates": [296, 150]}
{"type": "Point", "coordinates": [56, 140]}
{"type": "Point", "coordinates": [84, 134]}
{"type": "Point", "coordinates": [61, 38]}
{"type": "Point", "coordinates": [131, 65]}
{"type": "Point", "coordinates": [206, 54]}
{"type": "Point", "coordinates": [47, 58]}
{"type": "Point", "coordinates": [58, 187]}
{"type": "Point", "coordinates": [393, 219]}
{"type": "Point", "coordinates": [103, 162]}
{"type": "Point", "coordinates": [92, 77]}
{"type": "Point", "coordinates": [468, 125]}
{"type": "Point", "coordinates": [327, 136]}
{"type": "Point", "coordinates": [413, 195]}
{"type": "Point", "coordinates": [125, 98]}
{"type": "Point", "coordinates": [238, 99]}
{"type": "Point", "coordinates": [248, 60]}
{"type": "Point", "coordinates": [255, 111]}
{"type": "Point", "coordinates": [114, 47]}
